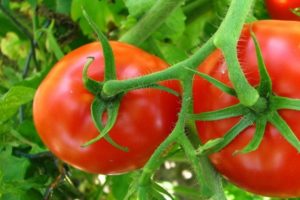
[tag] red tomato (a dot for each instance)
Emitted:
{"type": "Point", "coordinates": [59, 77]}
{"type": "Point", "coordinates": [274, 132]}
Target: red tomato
{"type": "Point", "coordinates": [274, 168]}
{"type": "Point", "coordinates": [282, 9]}
{"type": "Point", "coordinates": [62, 117]}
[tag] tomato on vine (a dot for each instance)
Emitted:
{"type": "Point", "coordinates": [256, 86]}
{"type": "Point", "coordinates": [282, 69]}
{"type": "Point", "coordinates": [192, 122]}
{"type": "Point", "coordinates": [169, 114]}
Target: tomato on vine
{"type": "Point", "coordinates": [63, 120]}
{"type": "Point", "coordinates": [273, 167]}
{"type": "Point", "coordinates": [283, 9]}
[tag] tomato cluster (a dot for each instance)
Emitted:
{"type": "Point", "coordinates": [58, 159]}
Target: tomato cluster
{"type": "Point", "coordinates": [146, 116]}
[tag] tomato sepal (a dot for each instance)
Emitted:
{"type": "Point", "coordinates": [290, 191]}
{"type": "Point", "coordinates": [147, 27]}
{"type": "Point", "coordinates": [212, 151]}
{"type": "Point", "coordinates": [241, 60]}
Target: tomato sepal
{"type": "Point", "coordinates": [275, 119]}
{"type": "Point", "coordinates": [257, 137]}
{"type": "Point", "coordinates": [278, 102]}
{"type": "Point", "coordinates": [245, 122]}
{"type": "Point", "coordinates": [91, 85]}
{"type": "Point", "coordinates": [231, 111]}
{"type": "Point", "coordinates": [214, 81]}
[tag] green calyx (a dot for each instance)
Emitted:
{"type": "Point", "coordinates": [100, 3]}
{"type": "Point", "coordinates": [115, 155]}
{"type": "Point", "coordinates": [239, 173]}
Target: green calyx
{"type": "Point", "coordinates": [263, 111]}
{"type": "Point", "coordinates": [102, 103]}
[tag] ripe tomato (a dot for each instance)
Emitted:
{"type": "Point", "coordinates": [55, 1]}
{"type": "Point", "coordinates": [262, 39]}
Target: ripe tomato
{"type": "Point", "coordinates": [62, 117]}
{"type": "Point", "coordinates": [282, 9]}
{"type": "Point", "coordinates": [274, 168]}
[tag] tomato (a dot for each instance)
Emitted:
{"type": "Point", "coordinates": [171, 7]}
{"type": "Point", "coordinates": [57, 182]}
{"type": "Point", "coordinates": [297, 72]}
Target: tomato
{"type": "Point", "coordinates": [274, 168]}
{"type": "Point", "coordinates": [62, 117]}
{"type": "Point", "coordinates": [282, 9]}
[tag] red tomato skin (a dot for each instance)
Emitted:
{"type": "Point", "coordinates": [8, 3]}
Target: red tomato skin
{"type": "Point", "coordinates": [274, 168]}
{"type": "Point", "coordinates": [281, 9]}
{"type": "Point", "coordinates": [61, 111]}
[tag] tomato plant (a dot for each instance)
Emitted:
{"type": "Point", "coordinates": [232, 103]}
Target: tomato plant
{"type": "Point", "coordinates": [274, 168]}
{"type": "Point", "coordinates": [111, 114]}
{"type": "Point", "coordinates": [62, 111]}
{"type": "Point", "coordinates": [279, 9]}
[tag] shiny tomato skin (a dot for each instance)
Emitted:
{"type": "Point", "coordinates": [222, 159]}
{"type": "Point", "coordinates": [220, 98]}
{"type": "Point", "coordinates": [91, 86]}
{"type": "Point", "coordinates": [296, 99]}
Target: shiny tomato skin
{"type": "Point", "coordinates": [281, 9]}
{"type": "Point", "coordinates": [274, 168]}
{"type": "Point", "coordinates": [62, 117]}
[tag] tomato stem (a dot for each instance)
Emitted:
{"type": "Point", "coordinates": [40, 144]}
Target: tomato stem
{"type": "Point", "coordinates": [177, 71]}
{"type": "Point", "coordinates": [210, 185]}
{"type": "Point", "coordinates": [231, 27]}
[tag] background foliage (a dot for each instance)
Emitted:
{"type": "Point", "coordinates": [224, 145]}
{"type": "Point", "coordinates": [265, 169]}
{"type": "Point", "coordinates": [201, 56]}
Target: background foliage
{"type": "Point", "coordinates": [35, 34]}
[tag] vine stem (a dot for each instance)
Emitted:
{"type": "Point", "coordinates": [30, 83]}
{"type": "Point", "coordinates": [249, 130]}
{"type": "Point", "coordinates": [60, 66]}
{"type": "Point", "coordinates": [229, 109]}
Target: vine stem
{"type": "Point", "coordinates": [226, 38]}
{"type": "Point", "coordinates": [209, 180]}
{"type": "Point", "coordinates": [210, 183]}
{"type": "Point", "coordinates": [152, 20]}
{"type": "Point", "coordinates": [177, 71]}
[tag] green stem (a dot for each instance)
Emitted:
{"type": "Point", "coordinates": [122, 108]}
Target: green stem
{"type": "Point", "coordinates": [209, 184]}
{"type": "Point", "coordinates": [153, 19]}
{"type": "Point", "coordinates": [177, 71]}
{"type": "Point", "coordinates": [152, 164]}
{"type": "Point", "coordinates": [226, 38]}
{"type": "Point", "coordinates": [209, 180]}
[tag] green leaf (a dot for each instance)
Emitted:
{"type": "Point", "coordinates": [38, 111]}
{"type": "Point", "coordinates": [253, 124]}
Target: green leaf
{"type": "Point", "coordinates": [13, 184]}
{"type": "Point", "coordinates": [172, 53]}
{"type": "Point", "coordinates": [13, 47]}
{"type": "Point", "coordinates": [99, 12]}
{"type": "Point", "coordinates": [7, 26]}
{"type": "Point", "coordinates": [195, 33]}
{"type": "Point", "coordinates": [173, 27]}
{"type": "Point", "coordinates": [60, 6]}
{"type": "Point", "coordinates": [137, 8]}
{"type": "Point", "coordinates": [120, 185]}
{"type": "Point", "coordinates": [52, 43]}
{"type": "Point", "coordinates": [12, 168]}
{"type": "Point", "coordinates": [28, 131]}
{"type": "Point", "coordinates": [13, 99]}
